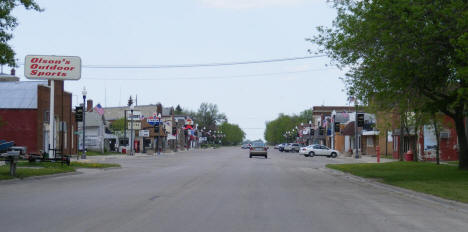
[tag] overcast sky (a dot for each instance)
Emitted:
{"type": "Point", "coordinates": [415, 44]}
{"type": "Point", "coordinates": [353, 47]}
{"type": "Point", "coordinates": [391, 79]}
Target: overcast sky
{"type": "Point", "coordinates": [160, 32]}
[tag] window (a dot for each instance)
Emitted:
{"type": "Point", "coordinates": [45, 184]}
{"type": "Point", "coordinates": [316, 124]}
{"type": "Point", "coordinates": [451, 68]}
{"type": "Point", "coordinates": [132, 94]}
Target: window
{"type": "Point", "coordinates": [370, 141]}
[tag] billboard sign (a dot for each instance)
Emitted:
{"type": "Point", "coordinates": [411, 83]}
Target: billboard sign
{"type": "Point", "coordinates": [144, 133]}
{"type": "Point", "coordinates": [39, 67]}
{"type": "Point", "coordinates": [136, 125]}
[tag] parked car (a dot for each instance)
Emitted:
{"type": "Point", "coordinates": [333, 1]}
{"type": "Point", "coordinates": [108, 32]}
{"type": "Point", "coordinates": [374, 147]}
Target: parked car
{"type": "Point", "coordinates": [258, 149]}
{"type": "Point", "coordinates": [292, 147]}
{"type": "Point", "coordinates": [317, 149]}
{"type": "Point", "coordinates": [245, 146]}
{"type": "Point", "coordinates": [281, 148]}
{"type": "Point", "coordinates": [279, 145]}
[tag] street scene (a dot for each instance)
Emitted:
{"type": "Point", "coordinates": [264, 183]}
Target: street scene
{"type": "Point", "coordinates": [218, 190]}
{"type": "Point", "coordinates": [233, 115]}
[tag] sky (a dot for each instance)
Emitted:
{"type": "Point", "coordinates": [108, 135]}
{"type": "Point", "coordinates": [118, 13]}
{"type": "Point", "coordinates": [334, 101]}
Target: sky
{"type": "Point", "coordinates": [159, 32]}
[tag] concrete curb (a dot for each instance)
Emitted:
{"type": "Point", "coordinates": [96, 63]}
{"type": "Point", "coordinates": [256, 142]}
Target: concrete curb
{"type": "Point", "coordinates": [77, 172]}
{"type": "Point", "coordinates": [448, 204]}
{"type": "Point", "coordinates": [12, 181]}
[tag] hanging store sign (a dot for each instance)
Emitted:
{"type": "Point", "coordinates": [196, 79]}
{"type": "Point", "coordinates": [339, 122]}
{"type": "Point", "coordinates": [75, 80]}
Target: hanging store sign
{"type": "Point", "coordinates": [38, 67]}
{"type": "Point", "coordinates": [136, 125]}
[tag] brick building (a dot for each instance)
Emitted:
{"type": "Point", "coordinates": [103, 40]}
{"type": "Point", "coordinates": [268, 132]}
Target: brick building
{"type": "Point", "coordinates": [24, 109]}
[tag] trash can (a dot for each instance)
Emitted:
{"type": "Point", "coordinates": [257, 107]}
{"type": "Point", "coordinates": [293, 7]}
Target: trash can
{"type": "Point", "coordinates": [409, 156]}
{"type": "Point", "coordinates": [124, 150]}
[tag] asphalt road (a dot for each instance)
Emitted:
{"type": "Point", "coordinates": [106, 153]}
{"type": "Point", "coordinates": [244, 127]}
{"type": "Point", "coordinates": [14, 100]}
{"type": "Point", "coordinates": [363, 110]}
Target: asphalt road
{"type": "Point", "coordinates": [216, 190]}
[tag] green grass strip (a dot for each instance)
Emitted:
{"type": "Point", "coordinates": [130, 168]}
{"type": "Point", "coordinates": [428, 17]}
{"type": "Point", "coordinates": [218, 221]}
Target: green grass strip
{"type": "Point", "coordinates": [440, 180]}
{"type": "Point", "coordinates": [26, 169]}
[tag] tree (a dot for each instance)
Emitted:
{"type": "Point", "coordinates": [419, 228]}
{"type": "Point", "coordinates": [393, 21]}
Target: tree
{"type": "Point", "coordinates": [404, 50]}
{"type": "Point", "coordinates": [276, 129]}
{"type": "Point", "coordinates": [233, 134]}
{"type": "Point", "coordinates": [178, 110]}
{"type": "Point", "coordinates": [7, 24]}
{"type": "Point", "coordinates": [208, 116]}
{"type": "Point", "coordinates": [118, 125]}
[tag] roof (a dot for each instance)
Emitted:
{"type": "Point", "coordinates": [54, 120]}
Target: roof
{"type": "Point", "coordinates": [19, 94]}
{"type": "Point", "coordinates": [114, 113]}
{"type": "Point", "coordinates": [328, 109]}
{"type": "Point", "coordinates": [93, 119]}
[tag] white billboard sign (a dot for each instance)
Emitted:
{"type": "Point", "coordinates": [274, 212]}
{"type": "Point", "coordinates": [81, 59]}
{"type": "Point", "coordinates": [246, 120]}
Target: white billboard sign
{"type": "Point", "coordinates": [144, 133]}
{"type": "Point", "coordinates": [38, 67]}
{"type": "Point", "coordinates": [136, 125]}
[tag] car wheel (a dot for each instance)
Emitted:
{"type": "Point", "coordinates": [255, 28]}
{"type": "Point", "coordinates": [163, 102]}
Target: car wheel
{"type": "Point", "coordinates": [250, 156]}
{"type": "Point", "coordinates": [266, 157]}
{"type": "Point", "coordinates": [306, 155]}
{"type": "Point", "coordinates": [333, 155]}
{"type": "Point", "coordinates": [311, 154]}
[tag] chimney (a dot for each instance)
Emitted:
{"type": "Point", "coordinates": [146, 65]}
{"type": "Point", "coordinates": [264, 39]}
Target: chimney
{"type": "Point", "coordinates": [89, 105]}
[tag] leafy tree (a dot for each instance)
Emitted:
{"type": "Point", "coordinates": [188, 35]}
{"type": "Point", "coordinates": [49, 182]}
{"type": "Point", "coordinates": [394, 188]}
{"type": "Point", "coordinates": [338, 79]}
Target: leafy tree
{"type": "Point", "coordinates": [208, 116]}
{"type": "Point", "coordinates": [233, 134]}
{"type": "Point", "coordinates": [118, 125]}
{"type": "Point", "coordinates": [402, 50]}
{"type": "Point", "coordinates": [275, 130]}
{"type": "Point", "coordinates": [8, 23]}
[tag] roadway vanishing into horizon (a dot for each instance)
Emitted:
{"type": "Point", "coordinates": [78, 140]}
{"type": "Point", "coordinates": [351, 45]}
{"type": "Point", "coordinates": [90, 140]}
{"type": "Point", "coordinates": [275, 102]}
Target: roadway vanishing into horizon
{"type": "Point", "coordinates": [216, 190]}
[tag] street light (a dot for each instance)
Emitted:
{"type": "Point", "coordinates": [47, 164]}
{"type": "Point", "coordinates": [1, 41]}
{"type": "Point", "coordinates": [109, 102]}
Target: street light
{"type": "Point", "coordinates": [131, 129]}
{"type": "Point", "coordinates": [333, 129]}
{"type": "Point", "coordinates": [310, 131]}
{"type": "Point", "coordinates": [84, 92]}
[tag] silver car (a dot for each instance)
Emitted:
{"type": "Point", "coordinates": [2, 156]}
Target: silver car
{"type": "Point", "coordinates": [292, 147]}
{"type": "Point", "coordinates": [258, 149]}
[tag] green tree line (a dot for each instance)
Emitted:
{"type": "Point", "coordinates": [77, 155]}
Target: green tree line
{"type": "Point", "coordinates": [275, 129]}
{"type": "Point", "coordinates": [406, 56]}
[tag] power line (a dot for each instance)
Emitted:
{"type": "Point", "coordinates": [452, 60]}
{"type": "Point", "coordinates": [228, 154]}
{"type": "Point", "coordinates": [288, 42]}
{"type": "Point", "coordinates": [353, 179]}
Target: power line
{"type": "Point", "coordinates": [198, 65]}
{"type": "Point", "coordinates": [209, 77]}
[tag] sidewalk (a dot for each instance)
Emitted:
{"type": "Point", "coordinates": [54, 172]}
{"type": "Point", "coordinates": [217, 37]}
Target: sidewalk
{"type": "Point", "coordinates": [364, 159]}
{"type": "Point", "coordinates": [99, 158]}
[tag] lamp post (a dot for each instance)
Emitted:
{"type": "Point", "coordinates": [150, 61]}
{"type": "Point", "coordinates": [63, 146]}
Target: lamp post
{"type": "Point", "coordinates": [333, 129]}
{"type": "Point", "coordinates": [84, 92]}
{"type": "Point", "coordinates": [131, 129]}
{"type": "Point", "coordinates": [310, 131]}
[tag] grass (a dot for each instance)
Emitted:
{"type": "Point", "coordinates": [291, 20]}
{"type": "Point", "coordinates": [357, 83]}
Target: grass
{"type": "Point", "coordinates": [453, 162]}
{"type": "Point", "coordinates": [440, 180]}
{"type": "Point", "coordinates": [27, 169]}
{"type": "Point", "coordinates": [96, 153]}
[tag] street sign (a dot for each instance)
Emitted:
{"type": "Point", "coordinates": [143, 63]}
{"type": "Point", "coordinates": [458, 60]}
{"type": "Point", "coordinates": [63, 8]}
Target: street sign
{"type": "Point", "coordinates": [152, 121]}
{"type": "Point", "coordinates": [136, 125]}
{"type": "Point", "coordinates": [136, 116]}
{"type": "Point", "coordinates": [189, 122]}
{"type": "Point", "coordinates": [144, 133]}
{"type": "Point", "coordinates": [39, 67]}
{"type": "Point", "coordinates": [79, 113]}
